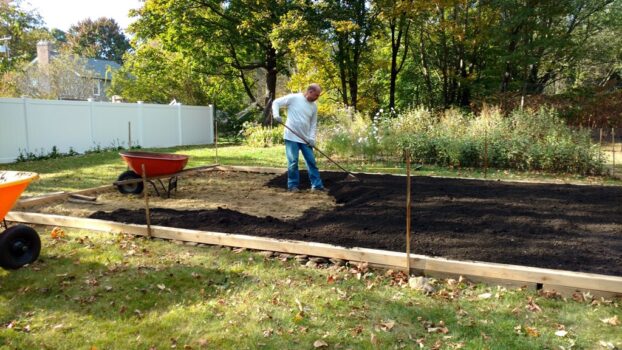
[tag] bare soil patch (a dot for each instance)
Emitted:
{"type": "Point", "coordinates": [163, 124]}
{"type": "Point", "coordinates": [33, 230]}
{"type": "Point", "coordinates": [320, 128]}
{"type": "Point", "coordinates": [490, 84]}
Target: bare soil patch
{"type": "Point", "coordinates": [246, 193]}
{"type": "Point", "coordinates": [569, 227]}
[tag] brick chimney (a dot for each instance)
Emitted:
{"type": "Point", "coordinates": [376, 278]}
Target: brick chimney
{"type": "Point", "coordinates": [44, 51]}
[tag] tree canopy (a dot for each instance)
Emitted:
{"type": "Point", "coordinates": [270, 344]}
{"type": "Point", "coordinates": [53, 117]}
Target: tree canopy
{"type": "Point", "coordinates": [367, 54]}
{"type": "Point", "coordinates": [101, 38]}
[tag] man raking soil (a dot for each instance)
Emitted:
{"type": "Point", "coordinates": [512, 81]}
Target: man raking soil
{"type": "Point", "coordinates": [301, 127]}
{"type": "Point", "coordinates": [299, 135]}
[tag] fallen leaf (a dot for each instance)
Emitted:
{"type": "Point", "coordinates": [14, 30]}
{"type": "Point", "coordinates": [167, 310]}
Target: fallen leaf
{"type": "Point", "coordinates": [532, 306]}
{"type": "Point", "coordinates": [614, 321]}
{"type": "Point", "coordinates": [441, 329]}
{"type": "Point", "coordinates": [485, 296]}
{"type": "Point", "coordinates": [373, 339]}
{"type": "Point", "coordinates": [320, 344]}
{"type": "Point", "coordinates": [532, 332]}
{"type": "Point", "coordinates": [57, 233]}
{"type": "Point", "coordinates": [387, 326]}
{"type": "Point", "coordinates": [299, 317]}
{"type": "Point", "coordinates": [161, 286]}
{"type": "Point", "coordinates": [561, 333]}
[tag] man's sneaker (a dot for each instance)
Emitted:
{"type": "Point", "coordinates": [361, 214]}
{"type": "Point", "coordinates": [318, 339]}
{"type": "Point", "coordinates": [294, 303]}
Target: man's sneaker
{"type": "Point", "coordinates": [293, 189]}
{"type": "Point", "coordinates": [318, 189]}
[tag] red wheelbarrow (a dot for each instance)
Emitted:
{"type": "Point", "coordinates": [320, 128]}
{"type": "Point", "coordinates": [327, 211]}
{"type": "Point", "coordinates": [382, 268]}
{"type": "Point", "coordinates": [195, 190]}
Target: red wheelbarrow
{"type": "Point", "coordinates": [157, 166]}
{"type": "Point", "coordinates": [20, 244]}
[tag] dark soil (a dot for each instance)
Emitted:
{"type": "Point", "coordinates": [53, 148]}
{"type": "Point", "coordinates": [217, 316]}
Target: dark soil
{"type": "Point", "coordinates": [568, 227]}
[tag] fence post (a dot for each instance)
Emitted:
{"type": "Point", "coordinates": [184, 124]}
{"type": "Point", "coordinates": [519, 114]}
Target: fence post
{"type": "Point", "coordinates": [141, 125]}
{"type": "Point", "coordinates": [179, 125]}
{"type": "Point", "coordinates": [90, 100]}
{"type": "Point", "coordinates": [25, 103]}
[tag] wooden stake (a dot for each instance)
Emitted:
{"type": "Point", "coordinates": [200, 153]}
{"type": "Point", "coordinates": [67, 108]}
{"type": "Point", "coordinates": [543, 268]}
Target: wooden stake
{"type": "Point", "coordinates": [600, 145]}
{"type": "Point", "coordinates": [613, 147]}
{"type": "Point", "coordinates": [485, 153]}
{"type": "Point", "coordinates": [216, 135]}
{"type": "Point", "coordinates": [146, 192]}
{"type": "Point", "coordinates": [408, 213]}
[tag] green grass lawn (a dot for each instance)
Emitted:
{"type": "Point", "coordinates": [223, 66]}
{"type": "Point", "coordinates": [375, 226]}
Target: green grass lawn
{"type": "Point", "coordinates": [96, 169]}
{"type": "Point", "coordinates": [102, 291]}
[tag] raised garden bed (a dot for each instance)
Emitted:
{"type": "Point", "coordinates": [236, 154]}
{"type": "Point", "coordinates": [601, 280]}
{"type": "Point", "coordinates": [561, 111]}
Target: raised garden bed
{"type": "Point", "coordinates": [567, 227]}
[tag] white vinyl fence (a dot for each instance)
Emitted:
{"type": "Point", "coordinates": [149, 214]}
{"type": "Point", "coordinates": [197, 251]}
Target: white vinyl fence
{"type": "Point", "coordinates": [36, 126]}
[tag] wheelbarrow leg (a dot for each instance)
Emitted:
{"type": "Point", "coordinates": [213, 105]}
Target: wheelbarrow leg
{"type": "Point", "coordinates": [4, 224]}
{"type": "Point", "coordinates": [155, 187]}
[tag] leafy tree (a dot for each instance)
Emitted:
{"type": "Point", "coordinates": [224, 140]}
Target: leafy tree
{"type": "Point", "coordinates": [237, 34]}
{"type": "Point", "coordinates": [349, 27]}
{"type": "Point", "coordinates": [60, 37]}
{"type": "Point", "coordinates": [152, 74]}
{"type": "Point", "coordinates": [101, 39]}
{"type": "Point", "coordinates": [25, 29]}
{"type": "Point", "coordinates": [396, 16]}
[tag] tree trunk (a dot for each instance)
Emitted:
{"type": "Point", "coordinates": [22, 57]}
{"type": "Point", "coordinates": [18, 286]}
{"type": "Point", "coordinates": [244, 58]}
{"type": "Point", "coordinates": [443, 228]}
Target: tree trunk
{"type": "Point", "coordinates": [426, 68]}
{"type": "Point", "coordinates": [271, 75]}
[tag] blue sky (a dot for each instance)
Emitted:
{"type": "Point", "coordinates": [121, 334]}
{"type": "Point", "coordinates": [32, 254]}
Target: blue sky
{"type": "Point", "coordinates": [62, 14]}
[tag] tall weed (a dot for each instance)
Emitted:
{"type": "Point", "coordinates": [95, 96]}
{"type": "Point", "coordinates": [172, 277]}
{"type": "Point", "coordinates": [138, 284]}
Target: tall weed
{"type": "Point", "coordinates": [524, 140]}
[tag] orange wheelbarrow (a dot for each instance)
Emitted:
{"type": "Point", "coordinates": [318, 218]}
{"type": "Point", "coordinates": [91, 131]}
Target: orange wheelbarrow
{"type": "Point", "coordinates": [157, 166]}
{"type": "Point", "coordinates": [19, 244]}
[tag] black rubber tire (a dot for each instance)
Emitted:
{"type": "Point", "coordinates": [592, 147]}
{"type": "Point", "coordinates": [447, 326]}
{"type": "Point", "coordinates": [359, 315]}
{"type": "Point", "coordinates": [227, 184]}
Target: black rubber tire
{"type": "Point", "coordinates": [134, 188]}
{"type": "Point", "coordinates": [19, 245]}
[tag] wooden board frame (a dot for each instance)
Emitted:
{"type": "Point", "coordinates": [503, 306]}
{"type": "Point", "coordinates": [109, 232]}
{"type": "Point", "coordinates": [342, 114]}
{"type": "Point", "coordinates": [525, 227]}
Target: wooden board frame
{"type": "Point", "coordinates": [516, 275]}
{"type": "Point", "coordinates": [429, 265]}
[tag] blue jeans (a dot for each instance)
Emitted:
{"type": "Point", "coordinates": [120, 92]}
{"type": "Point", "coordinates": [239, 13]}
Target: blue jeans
{"type": "Point", "coordinates": [293, 176]}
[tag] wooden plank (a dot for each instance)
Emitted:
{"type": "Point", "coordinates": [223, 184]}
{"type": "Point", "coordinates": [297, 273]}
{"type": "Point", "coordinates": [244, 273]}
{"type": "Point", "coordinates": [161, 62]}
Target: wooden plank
{"type": "Point", "coordinates": [217, 238]}
{"type": "Point", "coordinates": [569, 291]}
{"type": "Point", "coordinates": [82, 197]}
{"type": "Point", "coordinates": [486, 280]}
{"type": "Point", "coordinates": [82, 201]}
{"type": "Point", "coordinates": [429, 265]}
{"type": "Point", "coordinates": [526, 274]}
{"type": "Point", "coordinates": [58, 196]}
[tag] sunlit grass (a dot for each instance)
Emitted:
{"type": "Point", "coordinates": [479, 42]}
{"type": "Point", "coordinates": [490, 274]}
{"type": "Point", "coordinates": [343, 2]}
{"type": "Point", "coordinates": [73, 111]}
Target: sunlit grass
{"type": "Point", "coordinates": [97, 169]}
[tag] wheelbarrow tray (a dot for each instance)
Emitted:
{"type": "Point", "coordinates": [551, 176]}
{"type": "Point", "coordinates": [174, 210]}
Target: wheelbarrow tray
{"type": "Point", "coordinates": [12, 184]}
{"type": "Point", "coordinates": [156, 164]}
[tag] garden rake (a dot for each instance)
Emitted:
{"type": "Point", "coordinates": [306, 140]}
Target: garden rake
{"type": "Point", "coordinates": [349, 178]}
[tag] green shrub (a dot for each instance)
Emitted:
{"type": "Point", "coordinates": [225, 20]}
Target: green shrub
{"type": "Point", "coordinates": [524, 140]}
{"type": "Point", "coordinates": [256, 135]}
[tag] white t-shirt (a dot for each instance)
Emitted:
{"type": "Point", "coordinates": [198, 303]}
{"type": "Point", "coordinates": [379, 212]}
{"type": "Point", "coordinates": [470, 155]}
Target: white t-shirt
{"type": "Point", "coordinates": [301, 116]}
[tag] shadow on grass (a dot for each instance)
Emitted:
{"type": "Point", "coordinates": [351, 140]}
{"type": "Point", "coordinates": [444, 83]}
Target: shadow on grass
{"type": "Point", "coordinates": [114, 292]}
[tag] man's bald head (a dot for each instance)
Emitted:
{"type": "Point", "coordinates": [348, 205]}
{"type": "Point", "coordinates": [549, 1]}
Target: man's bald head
{"type": "Point", "coordinates": [313, 92]}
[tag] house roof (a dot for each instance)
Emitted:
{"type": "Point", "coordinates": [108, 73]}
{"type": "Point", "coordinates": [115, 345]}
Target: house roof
{"type": "Point", "coordinates": [100, 67]}
{"type": "Point", "coordinates": [97, 66]}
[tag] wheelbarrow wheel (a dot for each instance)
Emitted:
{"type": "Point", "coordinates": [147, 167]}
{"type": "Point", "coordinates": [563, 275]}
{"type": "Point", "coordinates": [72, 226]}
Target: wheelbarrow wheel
{"type": "Point", "coordinates": [133, 188]}
{"type": "Point", "coordinates": [19, 245]}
